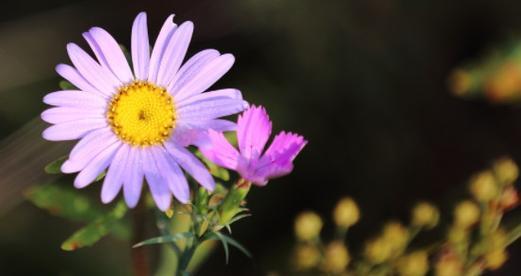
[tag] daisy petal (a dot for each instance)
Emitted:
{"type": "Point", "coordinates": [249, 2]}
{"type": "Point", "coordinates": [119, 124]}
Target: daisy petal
{"type": "Point", "coordinates": [253, 131]}
{"type": "Point", "coordinates": [196, 133]}
{"type": "Point", "coordinates": [192, 165]}
{"type": "Point", "coordinates": [109, 53]}
{"type": "Point", "coordinates": [114, 178]}
{"type": "Point", "coordinates": [229, 93]}
{"type": "Point", "coordinates": [96, 166]}
{"type": "Point", "coordinates": [95, 74]}
{"type": "Point", "coordinates": [133, 182]}
{"type": "Point", "coordinates": [72, 130]}
{"type": "Point", "coordinates": [57, 115]}
{"type": "Point", "coordinates": [206, 76]}
{"type": "Point", "coordinates": [155, 179]}
{"type": "Point", "coordinates": [73, 76]}
{"type": "Point", "coordinates": [74, 98]}
{"type": "Point", "coordinates": [87, 148]}
{"type": "Point", "coordinates": [174, 53]}
{"type": "Point", "coordinates": [220, 151]}
{"type": "Point", "coordinates": [140, 47]}
{"type": "Point", "coordinates": [166, 32]}
{"type": "Point", "coordinates": [190, 68]}
{"type": "Point", "coordinates": [210, 106]}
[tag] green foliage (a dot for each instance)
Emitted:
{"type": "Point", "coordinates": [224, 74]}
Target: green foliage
{"type": "Point", "coordinates": [65, 85]}
{"type": "Point", "coordinates": [64, 202]}
{"type": "Point", "coordinates": [166, 239]}
{"type": "Point", "coordinates": [54, 166]}
{"type": "Point", "coordinates": [96, 230]}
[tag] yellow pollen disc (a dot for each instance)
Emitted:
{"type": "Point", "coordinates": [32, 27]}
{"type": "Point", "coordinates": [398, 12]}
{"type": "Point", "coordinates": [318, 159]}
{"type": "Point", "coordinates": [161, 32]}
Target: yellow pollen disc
{"type": "Point", "coordinates": [142, 114]}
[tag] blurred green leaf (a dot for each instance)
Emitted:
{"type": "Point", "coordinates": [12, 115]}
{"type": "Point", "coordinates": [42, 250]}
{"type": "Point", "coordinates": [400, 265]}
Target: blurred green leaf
{"type": "Point", "coordinates": [64, 202]}
{"type": "Point", "coordinates": [54, 166]}
{"type": "Point", "coordinates": [96, 230]}
{"type": "Point", "coordinates": [165, 239]}
{"type": "Point", "coordinates": [227, 240]}
{"type": "Point", "coordinates": [65, 85]}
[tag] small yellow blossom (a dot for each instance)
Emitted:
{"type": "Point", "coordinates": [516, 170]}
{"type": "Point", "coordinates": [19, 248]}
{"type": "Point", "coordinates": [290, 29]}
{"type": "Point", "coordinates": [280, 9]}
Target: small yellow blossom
{"type": "Point", "coordinates": [495, 259]}
{"type": "Point", "coordinates": [306, 256]}
{"type": "Point", "coordinates": [414, 264]}
{"type": "Point", "coordinates": [396, 235]}
{"type": "Point", "coordinates": [307, 226]}
{"type": "Point", "coordinates": [506, 171]}
{"type": "Point", "coordinates": [336, 258]}
{"type": "Point", "coordinates": [483, 186]}
{"type": "Point", "coordinates": [425, 214]}
{"type": "Point", "coordinates": [450, 266]}
{"type": "Point", "coordinates": [378, 250]}
{"type": "Point", "coordinates": [466, 214]}
{"type": "Point", "coordinates": [346, 213]}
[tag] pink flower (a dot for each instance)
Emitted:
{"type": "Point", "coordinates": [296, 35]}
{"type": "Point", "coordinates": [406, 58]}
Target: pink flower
{"type": "Point", "coordinates": [253, 131]}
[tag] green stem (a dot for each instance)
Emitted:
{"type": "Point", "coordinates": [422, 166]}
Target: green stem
{"type": "Point", "coordinates": [514, 234]}
{"type": "Point", "coordinates": [139, 254]}
{"type": "Point", "coordinates": [187, 255]}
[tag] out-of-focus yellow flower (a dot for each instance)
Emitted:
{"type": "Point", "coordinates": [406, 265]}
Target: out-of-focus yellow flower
{"type": "Point", "coordinates": [449, 266]}
{"type": "Point", "coordinates": [497, 240]}
{"type": "Point", "coordinates": [306, 256]}
{"type": "Point", "coordinates": [336, 258]}
{"type": "Point", "coordinates": [505, 84]}
{"type": "Point", "coordinates": [378, 250]}
{"type": "Point", "coordinates": [346, 213]}
{"type": "Point", "coordinates": [425, 214]}
{"type": "Point", "coordinates": [495, 259]}
{"type": "Point", "coordinates": [466, 214]}
{"type": "Point", "coordinates": [506, 171]}
{"type": "Point", "coordinates": [414, 264]}
{"type": "Point", "coordinates": [396, 235]}
{"type": "Point", "coordinates": [483, 186]}
{"type": "Point", "coordinates": [460, 82]}
{"type": "Point", "coordinates": [509, 198]}
{"type": "Point", "coordinates": [307, 226]}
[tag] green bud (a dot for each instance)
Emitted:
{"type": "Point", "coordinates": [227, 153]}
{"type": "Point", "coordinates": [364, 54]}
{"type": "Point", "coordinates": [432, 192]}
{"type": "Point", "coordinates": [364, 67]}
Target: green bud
{"type": "Point", "coordinates": [231, 204]}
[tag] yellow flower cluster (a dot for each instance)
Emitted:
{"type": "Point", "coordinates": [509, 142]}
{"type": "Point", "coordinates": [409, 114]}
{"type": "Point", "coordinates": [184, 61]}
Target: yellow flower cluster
{"type": "Point", "coordinates": [475, 240]}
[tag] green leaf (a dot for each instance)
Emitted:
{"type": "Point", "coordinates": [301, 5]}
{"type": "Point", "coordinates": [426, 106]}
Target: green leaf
{"type": "Point", "coordinates": [237, 245]}
{"type": "Point", "coordinates": [65, 85]}
{"type": "Point", "coordinates": [227, 240]}
{"type": "Point", "coordinates": [223, 240]}
{"type": "Point", "coordinates": [95, 230]}
{"type": "Point", "coordinates": [165, 239]}
{"type": "Point", "coordinates": [63, 201]}
{"type": "Point", "coordinates": [514, 234]}
{"type": "Point", "coordinates": [54, 166]}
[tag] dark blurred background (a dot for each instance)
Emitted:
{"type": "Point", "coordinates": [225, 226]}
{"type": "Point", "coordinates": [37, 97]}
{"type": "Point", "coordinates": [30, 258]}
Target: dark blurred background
{"type": "Point", "coordinates": [364, 81]}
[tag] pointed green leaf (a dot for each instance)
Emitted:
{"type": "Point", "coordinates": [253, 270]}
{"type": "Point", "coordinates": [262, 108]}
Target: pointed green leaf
{"type": "Point", "coordinates": [95, 230]}
{"type": "Point", "coordinates": [223, 240]}
{"type": "Point", "coordinates": [237, 245]}
{"type": "Point", "coordinates": [165, 239]}
{"type": "Point", "coordinates": [54, 166]}
{"type": "Point", "coordinates": [65, 85]}
{"type": "Point", "coordinates": [63, 201]}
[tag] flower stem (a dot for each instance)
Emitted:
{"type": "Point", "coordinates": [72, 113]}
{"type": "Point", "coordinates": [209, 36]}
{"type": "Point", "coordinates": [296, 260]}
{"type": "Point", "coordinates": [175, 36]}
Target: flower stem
{"type": "Point", "coordinates": [186, 257]}
{"type": "Point", "coordinates": [139, 254]}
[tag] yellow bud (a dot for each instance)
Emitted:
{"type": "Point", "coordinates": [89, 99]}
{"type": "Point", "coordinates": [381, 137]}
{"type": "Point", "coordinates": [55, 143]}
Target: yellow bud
{"type": "Point", "coordinates": [495, 259]}
{"type": "Point", "coordinates": [483, 186]}
{"type": "Point", "coordinates": [306, 256]}
{"type": "Point", "coordinates": [425, 215]}
{"type": "Point", "coordinates": [346, 213]}
{"type": "Point", "coordinates": [497, 240]}
{"type": "Point", "coordinates": [336, 258]}
{"type": "Point", "coordinates": [449, 267]}
{"type": "Point", "coordinates": [466, 214]}
{"type": "Point", "coordinates": [457, 235]}
{"type": "Point", "coordinates": [460, 82]}
{"type": "Point", "coordinates": [307, 226]}
{"type": "Point", "coordinates": [396, 235]}
{"type": "Point", "coordinates": [378, 250]}
{"type": "Point", "coordinates": [506, 171]}
{"type": "Point", "coordinates": [414, 264]}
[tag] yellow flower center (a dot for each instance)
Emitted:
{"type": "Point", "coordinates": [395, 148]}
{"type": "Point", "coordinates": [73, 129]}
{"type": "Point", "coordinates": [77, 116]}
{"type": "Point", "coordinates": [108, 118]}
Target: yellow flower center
{"type": "Point", "coordinates": [142, 114]}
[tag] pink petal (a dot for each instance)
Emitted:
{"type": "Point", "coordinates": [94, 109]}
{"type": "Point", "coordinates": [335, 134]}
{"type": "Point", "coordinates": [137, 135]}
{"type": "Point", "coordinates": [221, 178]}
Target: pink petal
{"type": "Point", "coordinates": [220, 151]}
{"type": "Point", "coordinates": [253, 131]}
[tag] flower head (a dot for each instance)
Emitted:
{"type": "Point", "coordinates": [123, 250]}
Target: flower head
{"type": "Point", "coordinates": [137, 122]}
{"type": "Point", "coordinates": [253, 131]}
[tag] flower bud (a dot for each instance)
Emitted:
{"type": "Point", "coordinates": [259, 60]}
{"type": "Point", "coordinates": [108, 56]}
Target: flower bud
{"type": "Point", "coordinates": [336, 258]}
{"type": "Point", "coordinates": [378, 250]}
{"type": "Point", "coordinates": [497, 240]}
{"type": "Point", "coordinates": [509, 198]}
{"type": "Point", "coordinates": [306, 256]}
{"type": "Point", "coordinates": [414, 264]}
{"type": "Point", "coordinates": [425, 215]}
{"type": "Point", "coordinates": [483, 186]}
{"type": "Point", "coordinates": [231, 204]}
{"type": "Point", "coordinates": [506, 171]}
{"type": "Point", "coordinates": [307, 226]}
{"type": "Point", "coordinates": [396, 235]}
{"type": "Point", "coordinates": [449, 266]}
{"type": "Point", "coordinates": [495, 259]}
{"type": "Point", "coordinates": [346, 213]}
{"type": "Point", "coordinates": [466, 214]}
{"type": "Point", "coordinates": [457, 235]}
